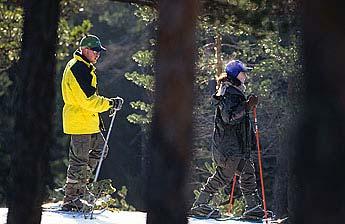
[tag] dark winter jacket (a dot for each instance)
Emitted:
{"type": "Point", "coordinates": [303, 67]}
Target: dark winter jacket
{"type": "Point", "coordinates": [233, 133]}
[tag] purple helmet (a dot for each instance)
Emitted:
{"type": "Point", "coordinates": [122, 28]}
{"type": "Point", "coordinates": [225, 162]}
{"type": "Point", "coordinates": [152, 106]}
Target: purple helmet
{"type": "Point", "coordinates": [234, 67]}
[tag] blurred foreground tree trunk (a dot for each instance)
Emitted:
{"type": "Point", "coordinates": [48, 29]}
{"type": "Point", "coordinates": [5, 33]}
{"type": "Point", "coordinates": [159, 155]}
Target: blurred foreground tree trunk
{"type": "Point", "coordinates": [34, 112]}
{"type": "Point", "coordinates": [289, 27]}
{"type": "Point", "coordinates": [317, 185]}
{"type": "Point", "coordinates": [172, 120]}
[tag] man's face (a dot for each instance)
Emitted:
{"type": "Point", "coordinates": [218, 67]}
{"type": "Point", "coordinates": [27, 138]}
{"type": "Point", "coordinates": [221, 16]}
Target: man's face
{"type": "Point", "coordinates": [91, 55]}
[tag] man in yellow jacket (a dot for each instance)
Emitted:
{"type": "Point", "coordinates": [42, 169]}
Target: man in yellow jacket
{"type": "Point", "coordinates": [81, 119]}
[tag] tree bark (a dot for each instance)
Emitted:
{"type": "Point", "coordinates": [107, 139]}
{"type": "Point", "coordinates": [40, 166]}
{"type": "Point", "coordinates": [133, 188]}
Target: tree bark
{"type": "Point", "coordinates": [34, 112]}
{"type": "Point", "coordinates": [172, 119]}
{"type": "Point", "coordinates": [280, 188]}
{"type": "Point", "coordinates": [317, 165]}
{"type": "Point", "coordinates": [218, 54]}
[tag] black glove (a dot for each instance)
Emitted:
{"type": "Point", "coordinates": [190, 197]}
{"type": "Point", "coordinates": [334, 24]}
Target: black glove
{"type": "Point", "coordinates": [214, 96]}
{"type": "Point", "coordinates": [116, 103]}
{"type": "Point", "coordinates": [251, 102]}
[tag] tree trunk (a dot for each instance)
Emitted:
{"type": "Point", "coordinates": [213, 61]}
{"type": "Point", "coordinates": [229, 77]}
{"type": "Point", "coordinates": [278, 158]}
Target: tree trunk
{"type": "Point", "coordinates": [218, 54]}
{"type": "Point", "coordinates": [35, 107]}
{"type": "Point", "coordinates": [317, 171]}
{"type": "Point", "coordinates": [280, 188]}
{"type": "Point", "coordinates": [172, 119]}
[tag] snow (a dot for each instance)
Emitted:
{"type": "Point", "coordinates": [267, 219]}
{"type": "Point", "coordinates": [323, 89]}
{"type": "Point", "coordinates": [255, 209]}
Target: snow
{"type": "Point", "coordinates": [106, 217]}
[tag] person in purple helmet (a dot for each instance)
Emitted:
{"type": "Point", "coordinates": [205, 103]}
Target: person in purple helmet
{"type": "Point", "coordinates": [233, 141]}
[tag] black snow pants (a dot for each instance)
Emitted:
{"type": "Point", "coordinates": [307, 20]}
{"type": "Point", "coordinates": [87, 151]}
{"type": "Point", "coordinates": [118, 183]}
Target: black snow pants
{"type": "Point", "coordinates": [227, 167]}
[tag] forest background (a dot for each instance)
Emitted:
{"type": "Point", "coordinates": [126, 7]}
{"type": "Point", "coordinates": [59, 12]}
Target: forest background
{"type": "Point", "coordinates": [264, 35]}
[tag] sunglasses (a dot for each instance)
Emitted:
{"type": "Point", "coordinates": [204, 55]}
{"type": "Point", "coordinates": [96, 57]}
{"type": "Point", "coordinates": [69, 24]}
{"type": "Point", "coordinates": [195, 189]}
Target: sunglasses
{"type": "Point", "coordinates": [95, 52]}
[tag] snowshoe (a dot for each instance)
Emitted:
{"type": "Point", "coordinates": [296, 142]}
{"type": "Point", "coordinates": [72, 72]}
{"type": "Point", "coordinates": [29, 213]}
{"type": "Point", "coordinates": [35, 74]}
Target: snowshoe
{"type": "Point", "coordinates": [275, 221]}
{"type": "Point", "coordinates": [249, 219]}
{"type": "Point", "coordinates": [270, 220]}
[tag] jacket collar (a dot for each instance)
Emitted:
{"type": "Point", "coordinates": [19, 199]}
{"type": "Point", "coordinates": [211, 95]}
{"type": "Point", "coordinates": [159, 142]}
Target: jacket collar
{"type": "Point", "coordinates": [79, 57]}
{"type": "Point", "coordinates": [227, 85]}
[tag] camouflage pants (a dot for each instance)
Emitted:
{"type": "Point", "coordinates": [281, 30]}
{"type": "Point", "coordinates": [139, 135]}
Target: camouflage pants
{"type": "Point", "coordinates": [227, 167]}
{"type": "Point", "coordinates": [84, 154]}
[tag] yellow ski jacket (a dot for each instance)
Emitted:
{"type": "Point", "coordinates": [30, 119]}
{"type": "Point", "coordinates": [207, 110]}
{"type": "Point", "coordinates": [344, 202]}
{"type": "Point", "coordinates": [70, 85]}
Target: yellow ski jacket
{"type": "Point", "coordinates": [82, 102]}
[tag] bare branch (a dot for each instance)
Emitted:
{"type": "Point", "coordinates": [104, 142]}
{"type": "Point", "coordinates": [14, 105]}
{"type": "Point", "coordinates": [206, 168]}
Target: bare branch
{"type": "Point", "coordinates": [231, 46]}
{"type": "Point", "coordinates": [5, 69]}
{"type": "Point", "coordinates": [149, 3]}
{"type": "Point", "coordinates": [209, 45]}
{"type": "Point", "coordinates": [16, 3]}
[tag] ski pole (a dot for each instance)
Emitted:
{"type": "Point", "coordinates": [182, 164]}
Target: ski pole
{"type": "Point", "coordinates": [260, 162]}
{"type": "Point", "coordinates": [232, 194]}
{"type": "Point", "coordinates": [112, 114]}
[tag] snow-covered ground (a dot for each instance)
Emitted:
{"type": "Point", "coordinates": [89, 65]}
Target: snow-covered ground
{"type": "Point", "coordinates": [105, 217]}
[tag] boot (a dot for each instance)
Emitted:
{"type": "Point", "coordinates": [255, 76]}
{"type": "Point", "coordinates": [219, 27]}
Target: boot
{"type": "Point", "coordinates": [71, 201]}
{"type": "Point", "coordinates": [204, 198]}
{"type": "Point", "coordinates": [205, 211]}
{"type": "Point", "coordinates": [73, 205]}
{"type": "Point", "coordinates": [202, 209]}
{"type": "Point", "coordinates": [253, 209]}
